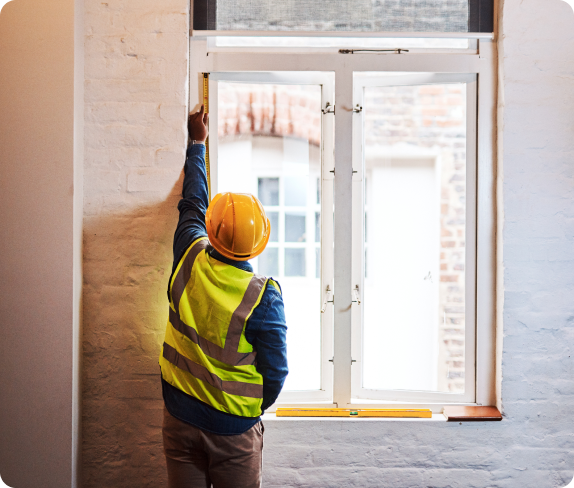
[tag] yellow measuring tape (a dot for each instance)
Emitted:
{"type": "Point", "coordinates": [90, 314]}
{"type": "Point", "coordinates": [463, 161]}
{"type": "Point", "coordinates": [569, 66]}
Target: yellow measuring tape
{"type": "Point", "coordinates": [206, 107]}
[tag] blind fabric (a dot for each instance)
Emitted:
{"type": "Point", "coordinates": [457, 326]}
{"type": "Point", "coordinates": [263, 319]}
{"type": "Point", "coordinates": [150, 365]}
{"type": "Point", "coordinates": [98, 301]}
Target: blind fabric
{"type": "Point", "coordinates": [344, 15]}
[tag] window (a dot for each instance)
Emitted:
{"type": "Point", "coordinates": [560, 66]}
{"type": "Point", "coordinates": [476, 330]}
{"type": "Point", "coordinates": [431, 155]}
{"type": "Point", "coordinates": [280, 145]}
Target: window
{"type": "Point", "coordinates": [383, 224]}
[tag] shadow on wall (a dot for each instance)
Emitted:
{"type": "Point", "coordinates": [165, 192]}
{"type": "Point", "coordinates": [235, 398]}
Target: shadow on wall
{"type": "Point", "coordinates": [127, 264]}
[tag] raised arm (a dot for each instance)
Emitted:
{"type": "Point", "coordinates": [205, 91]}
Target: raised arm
{"type": "Point", "coordinates": [195, 196]}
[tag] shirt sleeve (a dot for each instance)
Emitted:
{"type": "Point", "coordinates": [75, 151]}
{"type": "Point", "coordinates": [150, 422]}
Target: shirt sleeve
{"type": "Point", "coordinates": [194, 202]}
{"type": "Point", "coordinates": [267, 332]}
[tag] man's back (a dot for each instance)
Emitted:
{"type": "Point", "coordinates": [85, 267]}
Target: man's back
{"type": "Point", "coordinates": [224, 359]}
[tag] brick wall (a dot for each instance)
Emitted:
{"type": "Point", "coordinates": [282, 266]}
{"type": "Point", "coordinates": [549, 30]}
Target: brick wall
{"type": "Point", "coordinates": [136, 103]}
{"type": "Point", "coordinates": [270, 110]}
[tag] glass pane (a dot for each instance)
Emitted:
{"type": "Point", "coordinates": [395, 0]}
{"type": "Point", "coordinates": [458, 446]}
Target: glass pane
{"type": "Point", "coordinates": [294, 262]}
{"type": "Point", "coordinates": [414, 306]}
{"type": "Point", "coordinates": [269, 140]}
{"type": "Point", "coordinates": [296, 191]}
{"type": "Point", "coordinates": [294, 228]}
{"type": "Point", "coordinates": [274, 221]}
{"type": "Point", "coordinates": [317, 227]}
{"type": "Point", "coordinates": [268, 191]}
{"type": "Point", "coordinates": [269, 262]}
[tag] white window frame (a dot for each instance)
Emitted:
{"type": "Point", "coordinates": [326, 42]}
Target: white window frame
{"type": "Point", "coordinates": [482, 65]}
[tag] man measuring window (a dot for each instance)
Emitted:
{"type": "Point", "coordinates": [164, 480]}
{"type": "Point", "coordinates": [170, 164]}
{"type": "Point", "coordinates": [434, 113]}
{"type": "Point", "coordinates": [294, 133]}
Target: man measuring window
{"type": "Point", "coordinates": [224, 359]}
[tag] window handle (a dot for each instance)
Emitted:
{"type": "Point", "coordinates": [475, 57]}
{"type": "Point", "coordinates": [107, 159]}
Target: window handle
{"type": "Point", "coordinates": [328, 298]}
{"type": "Point", "coordinates": [356, 296]}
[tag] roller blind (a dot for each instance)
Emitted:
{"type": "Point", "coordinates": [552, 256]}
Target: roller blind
{"type": "Point", "coordinates": [344, 15]}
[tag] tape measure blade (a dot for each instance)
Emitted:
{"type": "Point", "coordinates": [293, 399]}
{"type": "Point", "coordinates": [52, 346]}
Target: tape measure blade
{"type": "Point", "coordinates": [206, 108]}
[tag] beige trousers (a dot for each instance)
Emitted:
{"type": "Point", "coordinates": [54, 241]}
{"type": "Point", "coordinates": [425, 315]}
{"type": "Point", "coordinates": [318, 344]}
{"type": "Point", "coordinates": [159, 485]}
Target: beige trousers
{"type": "Point", "coordinates": [199, 459]}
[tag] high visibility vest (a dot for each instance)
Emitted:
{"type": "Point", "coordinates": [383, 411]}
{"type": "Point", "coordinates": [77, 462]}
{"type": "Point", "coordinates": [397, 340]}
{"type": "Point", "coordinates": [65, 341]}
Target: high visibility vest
{"type": "Point", "coordinates": [205, 353]}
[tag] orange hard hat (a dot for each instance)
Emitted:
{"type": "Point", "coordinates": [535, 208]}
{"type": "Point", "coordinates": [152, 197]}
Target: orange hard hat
{"type": "Point", "coordinates": [237, 226]}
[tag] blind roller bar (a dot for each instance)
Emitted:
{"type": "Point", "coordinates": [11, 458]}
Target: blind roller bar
{"type": "Point", "coordinates": [408, 35]}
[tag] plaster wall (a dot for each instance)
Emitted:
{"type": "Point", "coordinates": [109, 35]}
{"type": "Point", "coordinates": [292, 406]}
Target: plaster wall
{"type": "Point", "coordinates": [41, 119]}
{"type": "Point", "coordinates": [136, 61]}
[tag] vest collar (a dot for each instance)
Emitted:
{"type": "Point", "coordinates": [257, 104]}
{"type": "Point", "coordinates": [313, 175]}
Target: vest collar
{"type": "Point", "coordinates": [243, 265]}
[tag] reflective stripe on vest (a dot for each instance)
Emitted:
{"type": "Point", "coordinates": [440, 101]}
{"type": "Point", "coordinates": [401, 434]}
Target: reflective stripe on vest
{"type": "Point", "coordinates": [205, 353]}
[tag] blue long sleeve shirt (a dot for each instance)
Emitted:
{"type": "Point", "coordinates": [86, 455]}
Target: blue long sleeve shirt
{"type": "Point", "coordinates": [266, 329]}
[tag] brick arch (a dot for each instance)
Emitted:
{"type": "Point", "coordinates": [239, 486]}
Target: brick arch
{"type": "Point", "coordinates": [270, 110]}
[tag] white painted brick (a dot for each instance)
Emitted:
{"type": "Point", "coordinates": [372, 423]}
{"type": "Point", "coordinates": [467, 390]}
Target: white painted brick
{"type": "Point", "coordinates": [120, 90]}
{"type": "Point", "coordinates": [151, 180]}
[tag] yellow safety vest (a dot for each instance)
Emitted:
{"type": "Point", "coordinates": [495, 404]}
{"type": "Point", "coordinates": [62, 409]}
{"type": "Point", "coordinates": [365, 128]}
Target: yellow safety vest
{"type": "Point", "coordinates": [205, 353]}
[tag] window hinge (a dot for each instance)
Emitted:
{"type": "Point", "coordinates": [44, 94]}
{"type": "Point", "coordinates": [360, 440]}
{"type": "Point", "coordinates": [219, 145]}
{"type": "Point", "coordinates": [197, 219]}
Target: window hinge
{"type": "Point", "coordinates": [399, 50]}
{"type": "Point", "coordinates": [356, 296]}
{"type": "Point", "coordinates": [329, 109]}
{"type": "Point", "coordinates": [329, 298]}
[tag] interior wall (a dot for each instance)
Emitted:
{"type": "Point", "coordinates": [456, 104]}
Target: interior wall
{"type": "Point", "coordinates": [41, 121]}
{"type": "Point", "coordinates": [136, 60]}
{"type": "Point", "coordinates": [135, 134]}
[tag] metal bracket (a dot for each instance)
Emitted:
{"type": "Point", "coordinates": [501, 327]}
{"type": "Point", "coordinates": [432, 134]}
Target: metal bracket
{"type": "Point", "coordinates": [356, 296]}
{"type": "Point", "coordinates": [399, 50]}
{"type": "Point", "coordinates": [333, 361]}
{"type": "Point", "coordinates": [329, 109]}
{"type": "Point", "coordinates": [329, 298]}
{"type": "Point", "coordinates": [358, 109]}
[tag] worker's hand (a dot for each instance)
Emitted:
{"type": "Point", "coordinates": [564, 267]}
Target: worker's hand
{"type": "Point", "coordinates": [197, 125]}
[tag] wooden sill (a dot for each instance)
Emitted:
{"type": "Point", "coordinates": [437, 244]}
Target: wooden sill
{"type": "Point", "coordinates": [472, 414]}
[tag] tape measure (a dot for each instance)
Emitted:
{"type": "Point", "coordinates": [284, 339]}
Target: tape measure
{"type": "Point", "coordinates": [206, 108]}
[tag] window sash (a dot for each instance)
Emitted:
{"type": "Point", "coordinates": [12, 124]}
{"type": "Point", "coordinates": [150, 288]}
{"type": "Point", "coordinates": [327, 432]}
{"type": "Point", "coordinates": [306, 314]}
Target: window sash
{"type": "Point", "coordinates": [359, 393]}
{"type": "Point", "coordinates": [326, 81]}
{"type": "Point", "coordinates": [483, 64]}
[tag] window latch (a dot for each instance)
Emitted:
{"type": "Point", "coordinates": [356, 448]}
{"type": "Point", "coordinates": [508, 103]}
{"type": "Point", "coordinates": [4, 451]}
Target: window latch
{"type": "Point", "coordinates": [398, 50]}
{"type": "Point", "coordinates": [329, 298]}
{"type": "Point", "coordinates": [358, 109]}
{"type": "Point", "coordinates": [329, 109]}
{"type": "Point", "coordinates": [356, 296]}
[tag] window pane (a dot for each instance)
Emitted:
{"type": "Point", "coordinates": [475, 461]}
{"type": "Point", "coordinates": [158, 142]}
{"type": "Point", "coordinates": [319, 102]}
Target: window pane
{"type": "Point", "coordinates": [294, 228]}
{"type": "Point", "coordinates": [269, 262]}
{"type": "Point", "coordinates": [274, 221]}
{"type": "Point", "coordinates": [414, 310]}
{"type": "Point", "coordinates": [269, 191]}
{"type": "Point", "coordinates": [294, 262]}
{"type": "Point", "coordinates": [317, 263]}
{"type": "Point", "coordinates": [317, 227]}
{"type": "Point", "coordinates": [269, 140]}
{"type": "Point", "coordinates": [295, 191]}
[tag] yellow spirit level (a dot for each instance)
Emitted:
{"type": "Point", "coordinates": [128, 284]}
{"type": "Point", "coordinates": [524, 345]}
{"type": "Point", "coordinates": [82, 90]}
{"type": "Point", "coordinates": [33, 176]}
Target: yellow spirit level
{"type": "Point", "coordinates": [360, 412]}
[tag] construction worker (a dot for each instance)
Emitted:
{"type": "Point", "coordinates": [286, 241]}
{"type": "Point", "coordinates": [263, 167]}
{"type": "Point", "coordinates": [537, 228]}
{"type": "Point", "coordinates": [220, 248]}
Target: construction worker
{"type": "Point", "coordinates": [224, 358]}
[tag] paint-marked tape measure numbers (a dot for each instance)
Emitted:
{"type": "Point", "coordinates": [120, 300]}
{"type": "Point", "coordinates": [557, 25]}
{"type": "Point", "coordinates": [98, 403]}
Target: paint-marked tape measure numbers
{"type": "Point", "coordinates": [206, 108]}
